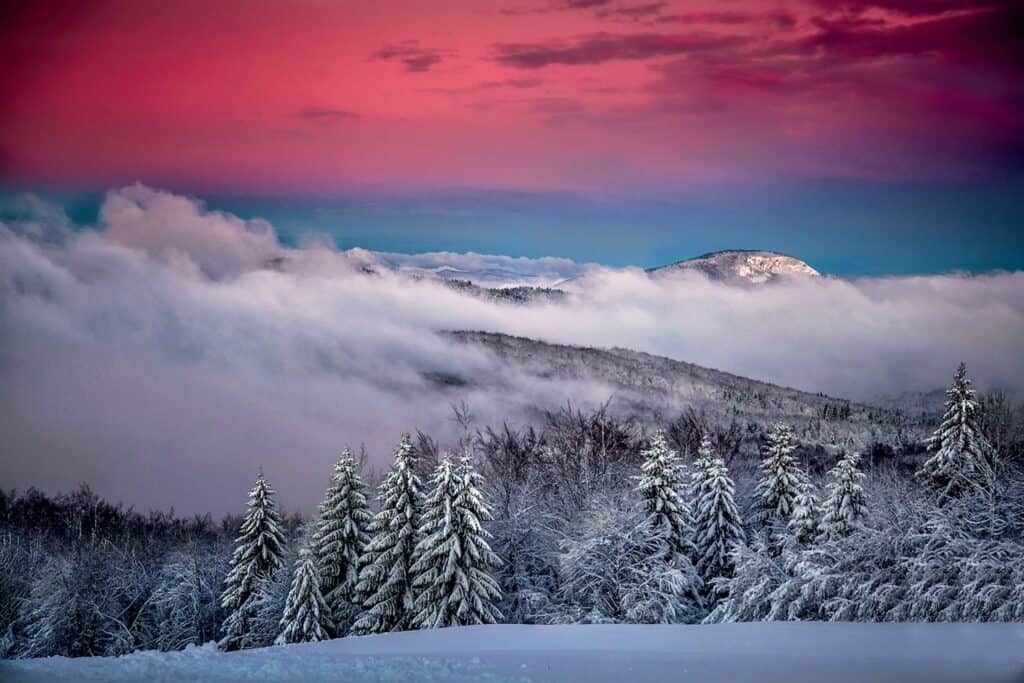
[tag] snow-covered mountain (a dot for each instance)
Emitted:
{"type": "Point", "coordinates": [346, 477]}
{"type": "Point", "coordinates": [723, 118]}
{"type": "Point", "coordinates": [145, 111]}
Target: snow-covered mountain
{"type": "Point", "coordinates": [734, 266]}
{"type": "Point", "coordinates": [740, 266]}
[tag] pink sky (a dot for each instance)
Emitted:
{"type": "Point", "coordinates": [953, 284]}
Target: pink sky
{"type": "Point", "coordinates": [319, 96]}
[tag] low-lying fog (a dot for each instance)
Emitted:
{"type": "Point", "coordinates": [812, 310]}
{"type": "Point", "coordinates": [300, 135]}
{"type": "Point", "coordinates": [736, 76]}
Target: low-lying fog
{"type": "Point", "coordinates": [159, 357]}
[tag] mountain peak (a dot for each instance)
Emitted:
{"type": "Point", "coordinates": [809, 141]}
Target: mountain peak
{"type": "Point", "coordinates": [740, 265]}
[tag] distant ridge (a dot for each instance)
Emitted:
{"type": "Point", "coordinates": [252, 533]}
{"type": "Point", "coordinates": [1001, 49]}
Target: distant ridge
{"type": "Point", "coordinates": [646, 385]}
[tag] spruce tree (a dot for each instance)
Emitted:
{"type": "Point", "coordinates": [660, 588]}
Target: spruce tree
{"type": "Point", "coordinates": [803, 524]}
{"type": "Point", "coordinates": [702, 466]}
{"type": "Point", "coordinates": [661, 481]}
{"type": "Point", "coordinates": [258, 551]}
{"type": "Point", "coordinates": [781, 477]}
{"type": "Point", "coordinates": [962, 460]}
{"type": "Point", "coordinates": [341, 537]}
{"type": "Point", "coordinates": [717, 522]}
{"type": "Point", "coordinates": [453, 582]}
{"type": "Point", "coordinates": [306, 617]}
{"type": "Point", "coordinates": [385, 588]}
{"type": "Point", "coordinates": [845, 505]}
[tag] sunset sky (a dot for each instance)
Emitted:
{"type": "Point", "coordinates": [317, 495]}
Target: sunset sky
{"type": "Point", "coordinates": [882, 136]}
{"type": "Point", "coordinates": [178, 180]}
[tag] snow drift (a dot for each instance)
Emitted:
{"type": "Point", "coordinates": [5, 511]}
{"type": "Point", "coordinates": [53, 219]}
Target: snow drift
{"type": "Point", "coordinates": [788, 652]}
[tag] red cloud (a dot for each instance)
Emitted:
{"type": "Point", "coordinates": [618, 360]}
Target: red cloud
{"type": "Point", "coordinates": [416, 59]}
{"type": "Point", "coordinates": [605, 47]}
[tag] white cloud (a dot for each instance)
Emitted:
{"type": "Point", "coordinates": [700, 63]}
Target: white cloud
{"type": "Point", "coordinates": [167, 226]}
{"type": "Point", "coordinates": [484, 269]}
{"type": "Point", "coordinates": [159, 360]}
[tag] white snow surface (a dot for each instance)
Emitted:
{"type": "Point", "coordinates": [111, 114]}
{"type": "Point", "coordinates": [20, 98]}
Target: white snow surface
{"type": "Point", "coordinates": [738, 265]}
{"type": "Point", "coordinates": [782, 651]}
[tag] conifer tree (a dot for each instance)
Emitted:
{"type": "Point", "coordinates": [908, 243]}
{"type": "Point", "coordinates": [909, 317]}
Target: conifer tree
{"type": "Point", "coordinates": [748, 593]}
{"type": "Point", "coordinates": [339, 541]}
{"type": "Point", "coordinates": [717, 522]}
{"type": "Point", "coordinates": [702, 466]}
{"type": "Point", "coordinates": [385, 588]}
{"type": "Point", "coordinates": [962, 460]}
{"type": "Point", "coordinates": [612, 570]}
{"type": "Point", "coordinates": [845, 505]}
{"type": "Point", "coordinates": [781, 477]}
{"type": "Point", "coordinates": [258, 551]}
{"type": "Point", "coordinates": [306, 617]}
{"type": "Point", "coordinates": [453, 582]}
{"type": "Point", "coordinates": [661, 482]}
{"type": "Point", "coordinates": [803, 524]}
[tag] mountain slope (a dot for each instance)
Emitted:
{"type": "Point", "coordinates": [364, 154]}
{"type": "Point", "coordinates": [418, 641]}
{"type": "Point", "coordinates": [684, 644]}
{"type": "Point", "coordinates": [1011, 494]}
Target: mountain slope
{"type": "Point", "coordinates": [645, 385]}
{"type": "Point", "coordinates": [739, 266]}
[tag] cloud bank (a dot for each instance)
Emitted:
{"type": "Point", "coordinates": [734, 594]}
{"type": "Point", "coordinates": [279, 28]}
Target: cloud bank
{"type": "Point", "coordinates": [168, 352]}
{"type": "Point", "coordinates": [483, 269]}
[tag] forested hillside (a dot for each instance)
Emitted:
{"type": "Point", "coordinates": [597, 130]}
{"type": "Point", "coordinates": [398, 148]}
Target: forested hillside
{"type": "Point", "coordinates": [650, 387]}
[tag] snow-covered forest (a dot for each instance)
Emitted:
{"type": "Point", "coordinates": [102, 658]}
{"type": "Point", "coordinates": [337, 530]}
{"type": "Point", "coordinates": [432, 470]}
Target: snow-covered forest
{"type": "Point", "coordinates": [585, 517]}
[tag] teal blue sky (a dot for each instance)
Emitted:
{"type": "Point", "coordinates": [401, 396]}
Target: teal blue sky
{"type": "Point", "coordinates": [841, 228]}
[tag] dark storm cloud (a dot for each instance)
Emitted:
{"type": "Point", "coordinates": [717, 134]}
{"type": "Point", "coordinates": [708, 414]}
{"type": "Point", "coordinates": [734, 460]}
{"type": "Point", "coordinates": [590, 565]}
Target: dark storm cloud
{"type": "Point", "coordinates": [606, 47]}
{"type": "Point", "coordinates": [779, 18]}
{"type": "Point", "coordinates": [907, 7]}
{"type": "Point", "coordinates": [944, 89]}
{"type": "Point", "coordinates": [988, 39]}
{"type": "Point", "coordinates": [325, 114]}
{"type": "Point", "coordinates": [512, 83]}
{"type": "Point", "coordinates": [509, 83]}
{"type": "Point", "coordinates": [556, 6]}
{"type": "Point", "coordinates": [416, 58]}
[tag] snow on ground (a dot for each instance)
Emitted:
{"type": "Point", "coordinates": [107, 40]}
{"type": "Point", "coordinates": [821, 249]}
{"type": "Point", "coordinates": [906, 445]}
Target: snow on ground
{"type": "Point", "coordinates": [763, 652]}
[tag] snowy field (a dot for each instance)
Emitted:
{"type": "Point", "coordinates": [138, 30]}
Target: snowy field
{"type": "Point", "coordinates": [764, 652]}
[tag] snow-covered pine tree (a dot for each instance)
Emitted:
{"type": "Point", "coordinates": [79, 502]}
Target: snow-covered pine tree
{"type": "Point", "coordinates": [475, 511]}
{"type": "Point", "coordinates": [661, 481]}
{"type": "Point", "coordinates": [272, 595]}
{"type": "Point", "coordinates": [306, 618]}
{"type": "Point", "coordinates": [759, 572]}
{"type": "Point", "coordinates": [258, 551]}
{"type": "Point", "coordinates": [452, 573]}
{"type": "Point", "coordinates": [612, 570]}
{"type": "Point", "coordinates": [963, 456]}
{"type": "Point", "coordinates": [385, 588]}
{"type": "Point", "coordinates": [845, 505]}
{"type": "Point", "coordinates": [781, 477]}
{"type": "Point", "coordinates": [339, 541]}
{"type": "Point", "coordinates": [702, 465]}
{"type": "Point", "coordinates": [717, 523]}
{"type": "Point", "coordinates": [803, 524]}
